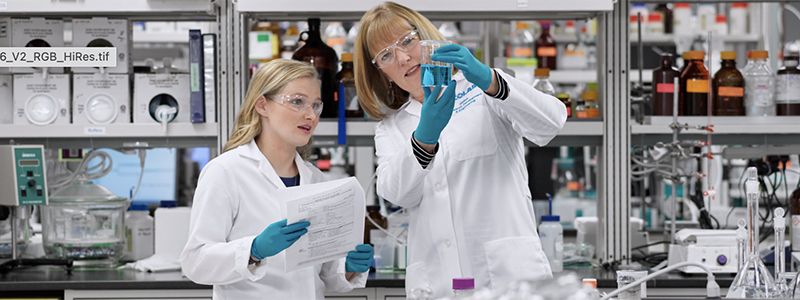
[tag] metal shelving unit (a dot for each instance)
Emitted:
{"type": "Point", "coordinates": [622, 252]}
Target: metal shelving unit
{"type": "Point", "coordinates": [119, 135]}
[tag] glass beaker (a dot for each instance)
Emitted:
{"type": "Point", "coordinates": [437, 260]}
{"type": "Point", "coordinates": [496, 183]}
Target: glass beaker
{"type": "Point", "coordinates": [434, 73]}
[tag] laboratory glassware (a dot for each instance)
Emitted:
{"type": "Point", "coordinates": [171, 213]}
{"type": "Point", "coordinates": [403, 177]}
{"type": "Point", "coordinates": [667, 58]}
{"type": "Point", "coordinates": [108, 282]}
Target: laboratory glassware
{"type": "Point", "coordinates": [759, 85]}
{"type": "Point", "coordinates": [728, 87]}
{"type": "Point", "coordinates": [542, 82]}
{"type": "Point", "coordinates": [663, 79]}
{"type": "Point", "coordinates": [434, 73]}
{"type": "Point", "coordinates": [694, 86]}
{"type": "Point", "coordinates": [323, 58]}
{"type": "Point", "coordinates": [787, 87]}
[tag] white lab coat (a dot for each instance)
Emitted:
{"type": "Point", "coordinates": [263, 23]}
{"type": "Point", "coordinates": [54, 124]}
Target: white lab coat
{"type": "Point", "coordinates": [234, 202]}
{"type": "Point", "coordinates": [471, 210]}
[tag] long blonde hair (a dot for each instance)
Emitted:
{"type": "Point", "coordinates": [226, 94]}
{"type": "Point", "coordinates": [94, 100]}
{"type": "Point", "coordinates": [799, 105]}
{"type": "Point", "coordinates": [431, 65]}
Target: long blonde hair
{"type": "Point", "coordinates": [270, 79]}
{"type": "Point", "coordinates": [378, 25]}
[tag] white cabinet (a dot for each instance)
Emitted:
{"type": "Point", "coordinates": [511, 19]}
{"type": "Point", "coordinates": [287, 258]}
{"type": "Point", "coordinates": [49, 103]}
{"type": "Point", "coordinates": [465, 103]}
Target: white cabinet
{"type": "Point", "coordinates": [204, 294]}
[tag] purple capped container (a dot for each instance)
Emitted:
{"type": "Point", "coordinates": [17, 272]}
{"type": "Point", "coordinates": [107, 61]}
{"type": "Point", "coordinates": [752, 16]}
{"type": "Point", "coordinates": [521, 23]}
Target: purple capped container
{"type": "Point", "coordinates": [463, 283]}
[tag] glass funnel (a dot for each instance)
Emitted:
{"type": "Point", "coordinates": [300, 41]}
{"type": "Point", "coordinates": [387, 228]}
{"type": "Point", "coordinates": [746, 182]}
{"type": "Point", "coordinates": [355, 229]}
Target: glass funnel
{"type": "Point", "coordinates": [753, 280]}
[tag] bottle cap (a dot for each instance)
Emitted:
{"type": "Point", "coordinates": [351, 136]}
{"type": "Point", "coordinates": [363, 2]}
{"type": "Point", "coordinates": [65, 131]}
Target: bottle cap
{"type": "Point", "coordinates": [739, 5]}
{"type": "Point", "coordinates": [757, 54]}
{"type": "Point", "coordinates": [654, 17]}
{"type": "Point", "coordinates": [728, 55]}
{"type": "Point", "coordinates": [545, 24]}
{"type": "Point", "coordinates": [138, 207]}
{"type": "Point", "coordinates": [463, 283]}
{"type": "Point", "coordinates": [347, 57]}
{"type": "Point", "coordinates": [683, 5]}
{"type": "Point", "coordinates": [522, 25]}
{"type": "Point", "coordinates": [590, 282]}
{"type": "Point", "coordinates": [562, 96]}
{"type": "Point", "coordinates": [541, 72]}
{"type": "Point", "coordinates": [695, 55]}
{"type": "Point", "coordinates": [169, 203]}
{"type": "Point", "coordinates": [685, 55]}
{"type": "Point", "coordinates": [551, 218]}
{"type": "Point", "coordinates": [590, 95]}
{"type": "Point", "coordinates": [722, 19]}
{"type": "Point", "coordinates": [638, 5]}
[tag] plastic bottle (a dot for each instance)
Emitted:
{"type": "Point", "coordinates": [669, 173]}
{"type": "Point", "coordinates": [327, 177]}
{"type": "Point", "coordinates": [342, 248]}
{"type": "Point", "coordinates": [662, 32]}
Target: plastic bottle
{"type": "Point", "coordinates": [551, 235]}
{"type": "Point", "coordinates": [590, 98]}
{"type": "Point", "coordinates": [336, 37]}
{"type": "Point", "coordinates": [463, 287]}
{"type": "Point", "coordinates": [728, 96]}
{"type": "Point", "coordinates": [663, 92]}
{"type": "Point", "coordinates": [574, 57]}
{"type": "Point", "coordinates": [721, 25]}
{"type": "Point", "coordinates": [694, 86]}
{"type": "Point", "coordinates": [569, 28]}
{"type": "Point", "coordinates": [682, 19]}
{"type": "Point", "coordinates": [325, 60]}
{"type": "Point", "coordinates": [738, 18]}
{"type": "Point", "coordinates": [565, 99]}
{"type": "Point", "coordinates": [541, 81]}
{"type": "Point", "coordinates": [264, 41]}
{"type": "Point", "coordinates": [637, 8]}
{"type": "Point", "coordinates": [347, 83]}
{"type": "Point", "coordinates": [655, 25]}
{"type": "Point", "coordinates": [633, 26]}
{"type": "Point", "coordinates": [706, 15]}
{"type": "Point", "coordinates": [139, 233]}
{"type": "Point", "coordinates": [522, 42]}
{"type": "Point", "coordinates": [787, 87]}
{"type": "Point", "coordinates": [666, 16]}
{"type": "Point", "coordinates": [546, 48]}
{"type": "Point", "coordinates": [591, 284]}
{"type": "Point", "coordinates": [759, 86]}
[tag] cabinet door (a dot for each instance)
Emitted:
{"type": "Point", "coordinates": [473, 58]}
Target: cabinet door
{"type": "Point", "coordinates": [355, 294]}
{"type": "Point", "coordinates": [200, 294]}
{"type": "Point", "coordinates": [391, 294]}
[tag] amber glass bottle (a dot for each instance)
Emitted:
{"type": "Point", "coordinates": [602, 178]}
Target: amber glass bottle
{"type": "Point", "coordinates": [590, 100]}
{"type": "Point", "coordinates": [694, 86]}
{"type": "Point", "coordinates": [728, 88]}
{"type": "Point", "coordinates": [666, 16]}
{"type": "Point", "coordinates": [347, 86]}
{"type": "Point", "coordinates": [787, 91]}
{"type": "Point", "coordinates": [546, 48]}
{"type": "Point", "coordinates": [685, 58]}
{"type": "Point", "coordinates": [568, 103]}
{"type": "Point", "coordinates": [325, 60]}
{"type": "Point", "coordinates": [373, 212]}
{"type": "Point", "coordinates": [664, 86]}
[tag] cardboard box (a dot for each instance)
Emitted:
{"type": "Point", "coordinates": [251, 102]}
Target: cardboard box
{"type": "Point", "coordinates": [6, 100]}
{"type": "Point", "coordinates": [42, 101]}
{"type": "Point", "coordinates": [33, 32]}
{"type": "Point", "coordinates": [101, 99]}
{"type": "Point", "coordinates": [152, 90]}
{"type": "Point", "coordinates": [104, 32]}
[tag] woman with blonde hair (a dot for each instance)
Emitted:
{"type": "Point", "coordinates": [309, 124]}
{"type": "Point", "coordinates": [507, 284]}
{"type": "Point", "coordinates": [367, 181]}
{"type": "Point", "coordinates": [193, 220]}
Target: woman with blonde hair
{"type": "Point", "coordinates": [236, 235]}
{"type": "Point", "coordinates": [456, 158]}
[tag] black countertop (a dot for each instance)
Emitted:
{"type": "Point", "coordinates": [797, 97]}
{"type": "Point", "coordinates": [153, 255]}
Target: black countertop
{"type": "Point", "coordinates": [54, 278]}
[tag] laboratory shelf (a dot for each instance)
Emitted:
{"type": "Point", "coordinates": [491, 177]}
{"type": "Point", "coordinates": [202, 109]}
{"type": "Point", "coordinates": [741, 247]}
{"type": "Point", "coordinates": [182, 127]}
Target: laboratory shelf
{"type": "Point", "coordinates": [669, 38]}
{"type": "Point", "coordinates": [458, 10]}
{"type": "Point", "coordinates": [576, 132]}
{"type": "Point", "coordinates": [776, 130]}
{"type": "Point", "coordinates": [112, 135]}
{"type": "Point", "coordinates": [173, 9]}
{"type": "Point", "coordinates": [572, 76]}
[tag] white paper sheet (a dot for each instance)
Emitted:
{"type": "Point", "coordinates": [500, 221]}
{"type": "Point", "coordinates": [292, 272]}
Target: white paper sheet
{"type": "Point", "coordinates": [336, 211]}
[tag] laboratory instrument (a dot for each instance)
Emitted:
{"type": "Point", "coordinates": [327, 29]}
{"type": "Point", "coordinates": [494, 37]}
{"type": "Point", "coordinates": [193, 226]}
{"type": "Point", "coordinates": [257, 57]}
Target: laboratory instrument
{"type": "Point", "coordinates": [779, 224]}
{"type": "Point", "coordinates": [434, 73]}
{"type": "Point", "coordinates": [715, 249]}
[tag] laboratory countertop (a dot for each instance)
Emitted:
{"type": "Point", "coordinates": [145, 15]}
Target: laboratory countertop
{"type": "Point", "coordinates": [54, 278]}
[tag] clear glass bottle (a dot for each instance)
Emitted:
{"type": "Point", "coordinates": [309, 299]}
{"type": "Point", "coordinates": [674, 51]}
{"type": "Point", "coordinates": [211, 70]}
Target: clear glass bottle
{"type": "Point", "coordinates": [463, 287]}
{"type": "Point", "coordinates": [728, 96]}
{"type": "Point", "coordinates": [352, 34]}
{"type": "Point", "coordinates": [336, 37]}
{"type": "Point", "coordinates": [759, 86]}
{"type": "Point", "coordinates": [664, 86]}
{"type": "Point", "coordinates": [580, 109]}
{"type": "Point", "coordinates": [325, 60]}
{"type": "Point", "coordinates": [541, 81]}
{"type": "Point", "coordinates": [522, 42]}
{"type": "Point", "coordinates": [546, 48]}
{"type": "Point", "coordinates": [590, 98]}
{"type": "Point", "coordinates": [787, 87]}
{"type": "Point", "coordinates": [347, 83]}
{"type": "Point", "coordinates": [694, 86]}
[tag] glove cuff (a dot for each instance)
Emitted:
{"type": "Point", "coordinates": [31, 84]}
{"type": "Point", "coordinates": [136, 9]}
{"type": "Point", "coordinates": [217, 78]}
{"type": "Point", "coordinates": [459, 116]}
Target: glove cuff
{"type": "Point", "coordinates": [254, 250]}
{"type": "Point", "coordinates": [426, 140]}
{"type": "Point", "coordinates": [487, 81]}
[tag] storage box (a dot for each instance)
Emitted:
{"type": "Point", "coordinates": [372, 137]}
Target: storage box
{"type": "Point", "coordinates": [104, 32]}
{"type": "Point", "coordinates": [33, 32]}
{"type": "Point", "coordinates": [153, 90]}
{"type": "Point", "coordinates": [6, 100]}
{"type": "Point", "coordinates": [101, 99]}
{"type": "Point", "coordinates": [41, 101]}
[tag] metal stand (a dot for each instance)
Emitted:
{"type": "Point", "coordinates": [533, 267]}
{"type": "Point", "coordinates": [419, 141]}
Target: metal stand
{"type": "Point", "coordinates": [22, 212]}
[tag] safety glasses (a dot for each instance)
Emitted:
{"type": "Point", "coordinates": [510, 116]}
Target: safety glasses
{"type": "Point", "coordinates": [299, 103]}
{"type": "Point", "coordinates": [386, 57]}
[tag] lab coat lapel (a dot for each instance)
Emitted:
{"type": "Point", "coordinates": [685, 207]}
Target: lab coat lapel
{"type": "Point", "coordinates": [305, 172]}
{"type": "Point", "coordinates": [263, 165]}
{"type": "Point", "coordinates": [412, 107]}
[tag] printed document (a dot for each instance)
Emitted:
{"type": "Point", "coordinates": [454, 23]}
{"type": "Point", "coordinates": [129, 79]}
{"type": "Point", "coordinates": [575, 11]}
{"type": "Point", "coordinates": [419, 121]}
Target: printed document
{"type": "Point", "coordinates": [336, 211]}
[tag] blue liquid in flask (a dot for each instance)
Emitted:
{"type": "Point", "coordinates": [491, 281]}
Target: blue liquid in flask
{"type": "Point", "coordinates": [435, 75]}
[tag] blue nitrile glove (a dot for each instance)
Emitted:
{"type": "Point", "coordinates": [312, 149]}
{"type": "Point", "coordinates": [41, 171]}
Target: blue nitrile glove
{"type": "Point", "coordinates": [359, 261]}
{"type": "Point", "coordinates": [435, 113]}
{"type": "Point", "coordinates": [474, 71]}
{"type": "Point", "coordinates": [277, 237]}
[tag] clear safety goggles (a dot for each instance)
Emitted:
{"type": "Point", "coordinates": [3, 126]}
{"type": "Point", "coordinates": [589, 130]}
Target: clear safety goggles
{"type": "Point", "coordinates": [386, 57]}
{"type": "Point", "coordinates": [299, 103]}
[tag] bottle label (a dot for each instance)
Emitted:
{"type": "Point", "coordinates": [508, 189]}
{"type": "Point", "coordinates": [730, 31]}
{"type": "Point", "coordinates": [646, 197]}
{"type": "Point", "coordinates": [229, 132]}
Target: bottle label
{"type": "Point", "coordinates": [569, 111]}
{"type": "Point", "coordinates": [667, 88]}
{"type": "Point", "coordinates": [762, 95]}
{"type": "Point", "coordinates": [697, 86]}
{"type": "Point", "coordinates": [522, 52]}
{"type": "Point", "coordinates": [582, 114]}
{"type": "Point", "coordinates": [788, 89]}
{"type": "Point", "coordinates": [592, 113]}
{"type": "Point", "coordinates": [729, 91]}
{"type": "Point", "coordinates": [335, 41]}
{"type": "Point", "coordinates": [795, 233]}
{"type": "Point", "coordinates": [546, 51]}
